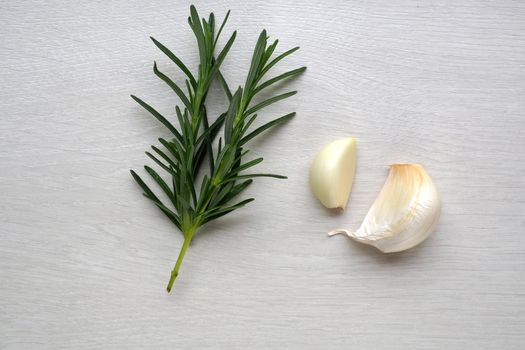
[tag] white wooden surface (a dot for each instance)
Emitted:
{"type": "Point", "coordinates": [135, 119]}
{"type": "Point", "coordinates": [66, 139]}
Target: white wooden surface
{"type": "Point", "coordinates": [84, 259]}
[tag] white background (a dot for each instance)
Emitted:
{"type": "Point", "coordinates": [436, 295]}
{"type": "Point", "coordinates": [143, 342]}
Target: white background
{"type": "Point", "coordinates": [84, 258]}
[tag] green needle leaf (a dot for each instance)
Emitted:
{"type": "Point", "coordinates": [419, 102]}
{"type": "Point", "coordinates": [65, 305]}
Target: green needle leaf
{"type": "Point", "coordinates": [165, 157]}
{"type": "Point", "coordinates": [144, 187]}
{"type": "Point", "coordinates": [170, 214]}
{"type": "Point", "coordinates": [247, 165]}
{"type": "Point", "coordinates": [170, 146]}
{"type": "Point", "coordinates": [224, 85]}
{"type": "Point", "coordinates": [161, 164]}
{"type": "Point", "coordinates": [230, 117]}
{"type": "Point", "coordinates": [172, 85]}
{"type": "Point", "coordinates": [249, 176]}
{"type": "Point", "coordinates": [195, 25]}
{"type": "Point", "coordinates": [259, 51]}
{"type": "Point", "coordinates": [277, 59]}
{"type": "Point", "coordinates": [286, 75]}
{"type": "Point", "coordinates": [269, 102]}
{"type": "Point", "coordinates": [162, 184]}
{"type": "Point", "coordinates": [176, 60]}
{"type": "Point", "coordinates": [150, 195]}
{"type": "Point", "coordinates": [222, 26]}
{"type": "Point", "coordinates": [267, 126]}
{"type": "Point", "coordinates": [218, 212]}
{"type": "Point", "coordinates": [235, 191]}
{"type": "Point", "coordinates": [159, 117]}
{"type": "Point", "coordinates": [220, 59]}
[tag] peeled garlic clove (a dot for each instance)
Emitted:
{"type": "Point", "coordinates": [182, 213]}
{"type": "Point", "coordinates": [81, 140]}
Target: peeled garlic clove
{"type": "Point", "coordinates": [404, 214]}
{"type": "Point", "coordinates": [332, 173]}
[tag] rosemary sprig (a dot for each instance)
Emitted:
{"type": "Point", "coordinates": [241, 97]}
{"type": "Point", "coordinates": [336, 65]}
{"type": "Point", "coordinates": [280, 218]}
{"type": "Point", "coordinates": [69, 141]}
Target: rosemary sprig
{"type": "Point", "coordinates": [192, 205]}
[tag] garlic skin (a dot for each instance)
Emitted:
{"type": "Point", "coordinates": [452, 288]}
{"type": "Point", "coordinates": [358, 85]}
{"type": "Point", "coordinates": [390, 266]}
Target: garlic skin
{"type": "Point", "coordinates": [404, 214]}
{"type": "Point", "coordinates": [332, 173]}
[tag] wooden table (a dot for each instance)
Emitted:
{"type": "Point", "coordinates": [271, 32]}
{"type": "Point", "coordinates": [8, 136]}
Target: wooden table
{"type": "Point", "coordinates": [84, 258]}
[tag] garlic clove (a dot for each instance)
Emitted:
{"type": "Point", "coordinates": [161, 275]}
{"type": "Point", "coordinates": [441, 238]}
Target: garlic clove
{"type": "Point", "coordinates": [332, 173]}
{"type": "Point", "coordinates": [404, 214]}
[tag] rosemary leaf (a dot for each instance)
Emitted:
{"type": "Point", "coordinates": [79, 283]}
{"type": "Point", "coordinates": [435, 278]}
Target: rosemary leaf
{"type": "Point", "coordinates": [194, 203]}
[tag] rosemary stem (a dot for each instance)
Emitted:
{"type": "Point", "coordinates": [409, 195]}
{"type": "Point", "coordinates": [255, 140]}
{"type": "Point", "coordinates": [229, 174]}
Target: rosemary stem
{"type": "Point", "coordinates": [175, 271]}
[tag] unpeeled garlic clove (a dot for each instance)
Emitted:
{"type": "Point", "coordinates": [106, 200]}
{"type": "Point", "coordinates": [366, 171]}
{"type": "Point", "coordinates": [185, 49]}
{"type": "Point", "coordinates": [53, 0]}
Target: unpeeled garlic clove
{"type": "Point", "coordinates": [332, 173]}
{"type": "Point", "coordinates": [404, 214]}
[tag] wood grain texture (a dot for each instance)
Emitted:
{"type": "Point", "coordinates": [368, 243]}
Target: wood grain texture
{"type": "Point", "coordinates": [84, 259]}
